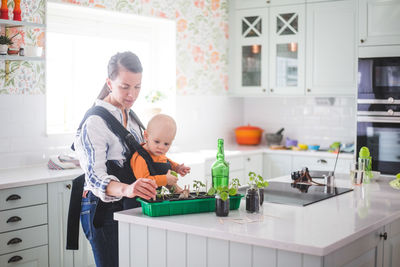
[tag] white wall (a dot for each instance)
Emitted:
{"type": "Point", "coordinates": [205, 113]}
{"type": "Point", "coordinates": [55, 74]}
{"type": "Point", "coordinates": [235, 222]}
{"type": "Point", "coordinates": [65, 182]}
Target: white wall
{"type": "Point", "coordinates": [304, 118]}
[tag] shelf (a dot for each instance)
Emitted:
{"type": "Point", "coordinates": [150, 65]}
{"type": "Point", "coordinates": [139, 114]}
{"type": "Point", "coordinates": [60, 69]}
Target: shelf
{"type": "Point", "coordinates": [8, 57]}
{"type": "Point", "coordinates": [15, 23]}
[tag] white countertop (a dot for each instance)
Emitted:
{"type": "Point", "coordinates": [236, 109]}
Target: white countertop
{"type": "Point", "coordinates": [317, 229]}
{"type": "Point", "coordinates": [41, 174]}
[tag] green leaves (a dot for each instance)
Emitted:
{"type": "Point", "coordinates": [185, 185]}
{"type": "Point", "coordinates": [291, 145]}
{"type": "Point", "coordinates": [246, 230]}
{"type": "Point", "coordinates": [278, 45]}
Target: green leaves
{"type": "Point", "coordinates": [223, 192]}
{"type": "Point", "coordinates": [398, 176]}
{"type": "Point", "coordinates": [256, 180]}
{"type": "Point", "coordinates": [174, 173]}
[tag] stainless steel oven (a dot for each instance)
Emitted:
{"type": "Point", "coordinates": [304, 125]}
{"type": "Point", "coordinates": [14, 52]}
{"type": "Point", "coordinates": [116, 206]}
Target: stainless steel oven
{"type": "Point", "coordinates": [378, 112]}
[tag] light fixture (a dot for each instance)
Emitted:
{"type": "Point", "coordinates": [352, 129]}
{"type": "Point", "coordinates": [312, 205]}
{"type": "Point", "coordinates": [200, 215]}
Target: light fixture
{"type": "Point", "coordinates": [255, 49]}
{"type": "Point", "coordinates": [292, 47]}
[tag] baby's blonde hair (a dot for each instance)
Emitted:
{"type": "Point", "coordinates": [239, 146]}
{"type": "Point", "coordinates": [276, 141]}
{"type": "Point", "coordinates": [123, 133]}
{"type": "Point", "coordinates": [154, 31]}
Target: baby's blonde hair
{"type": "Point", "coordinates": [162, 122]}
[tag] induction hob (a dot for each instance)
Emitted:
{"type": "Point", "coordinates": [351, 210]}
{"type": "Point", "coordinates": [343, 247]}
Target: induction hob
{"type": "Point", "coordinates": [300, 194]}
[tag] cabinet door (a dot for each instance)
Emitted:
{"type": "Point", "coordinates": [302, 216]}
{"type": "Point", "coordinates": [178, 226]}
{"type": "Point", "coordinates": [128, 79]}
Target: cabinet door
{"type": "Point", "coordinates": [59, 196]}
{"type": "Point", "coordinates": [287, 50]}
{"type": "Point", "coordinates": [249, 53]}
{"type": "Point", "coordinates": [252, 163]}
{"type": "Point", "coordinates": [391, 246]}
{"type": "Point", "coordinates": [243, 4]}
{"type": "Point", "coordinates": [379, 22]}
{"type": "Point", "coordinates": [331, 48]}
{"type": "Point", "coordinates": [276, 165]}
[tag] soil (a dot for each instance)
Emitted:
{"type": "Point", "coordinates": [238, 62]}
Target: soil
{"type": "Point", "coordinates": [252, 201]}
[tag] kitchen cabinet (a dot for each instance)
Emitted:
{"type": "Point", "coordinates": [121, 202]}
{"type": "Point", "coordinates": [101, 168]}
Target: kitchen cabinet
{"type": "Point", "coordinates": [23, 228]}
{"type": "Point", "coordinates": [249, 68]}
{"type": "Point", "coordinates": [391, 246]}
{"type": "Point", "coordinates": [379, 22]}
{"type": "Point", "coordinates": [245, 4]}
{"type": "Point", "coordinates": [295, 49]}
{"type": "Point", "coordinates": [331, 63]}
{"type": "Point", "coordinates": [276, 165]}
{"type": "Point", "coordinates": [239, 167]}
{"type": "Point", "coordinates": [59, 196]}
{"type": "Point", "coordinates": [287, 50]}
{"type": "Point", "coordinates": [320, 163]}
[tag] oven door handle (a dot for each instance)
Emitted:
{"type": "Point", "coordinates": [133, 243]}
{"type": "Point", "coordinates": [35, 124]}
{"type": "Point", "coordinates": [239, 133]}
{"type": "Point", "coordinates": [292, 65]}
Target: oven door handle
{"type": "Point", "coordinates": [378, 119]}
{"type": "Point", "coordinates": [390, 100]}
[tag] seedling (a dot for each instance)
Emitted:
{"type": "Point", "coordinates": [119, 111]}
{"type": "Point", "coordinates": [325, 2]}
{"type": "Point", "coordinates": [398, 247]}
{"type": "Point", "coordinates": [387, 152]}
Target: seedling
{"type": "Point", "coordinates": [256, 180]}
{"type": "Point", "coordinates": [174, 173]}
{"type": "Point", "coordinates": [161, 192]}
{"type": "Point", "coordinates": [197, 185]}
{"type": "Point", "coordinates": [223, 191]}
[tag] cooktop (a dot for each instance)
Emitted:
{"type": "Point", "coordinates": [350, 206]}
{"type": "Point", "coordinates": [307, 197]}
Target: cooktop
{"type": "Point", "coordinates": [300, 194]}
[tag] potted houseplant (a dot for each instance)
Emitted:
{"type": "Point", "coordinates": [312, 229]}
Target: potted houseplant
{"type": "Point", "coordinates": [260, 183]}
{"type": "Point", "coordinates": [4, 43]}
{"type": "Point", "coordinates": [222, 194]}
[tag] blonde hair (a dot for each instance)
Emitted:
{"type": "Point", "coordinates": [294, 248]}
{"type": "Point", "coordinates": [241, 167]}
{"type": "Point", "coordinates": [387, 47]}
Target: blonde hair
{"type": "Point", "coordinates": [162, 122]}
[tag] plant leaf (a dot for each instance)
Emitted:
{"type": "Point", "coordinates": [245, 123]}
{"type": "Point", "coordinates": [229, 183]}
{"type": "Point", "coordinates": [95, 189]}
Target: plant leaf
{"type": "Point", "coordinates": [224, 196]}
{"type": "Point", "coordinates": [211, 191]}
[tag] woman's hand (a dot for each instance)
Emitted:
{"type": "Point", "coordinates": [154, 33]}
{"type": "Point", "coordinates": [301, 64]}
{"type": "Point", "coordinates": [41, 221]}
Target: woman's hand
{"type": "Point", "coordinates": [143, 187]}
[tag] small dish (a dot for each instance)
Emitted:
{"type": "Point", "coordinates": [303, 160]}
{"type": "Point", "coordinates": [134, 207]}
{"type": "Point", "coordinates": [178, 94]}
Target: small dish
{"type": "Point", "coordinates": [313, 147]}
{"type": "Point", "coordinates": [13, 51]}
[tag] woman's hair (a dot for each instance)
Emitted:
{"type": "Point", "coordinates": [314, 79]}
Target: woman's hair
{"type": "Point", "coordinates": [125, 60]}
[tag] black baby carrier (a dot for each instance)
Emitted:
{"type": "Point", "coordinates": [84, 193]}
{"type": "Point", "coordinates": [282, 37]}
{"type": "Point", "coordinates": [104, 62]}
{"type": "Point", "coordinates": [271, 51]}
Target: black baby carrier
{"type": "Point", "coordinates": [124, 174]}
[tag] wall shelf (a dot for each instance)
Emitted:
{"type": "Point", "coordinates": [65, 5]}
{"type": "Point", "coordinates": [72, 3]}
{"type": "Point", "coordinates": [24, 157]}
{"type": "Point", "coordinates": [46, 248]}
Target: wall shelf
{"type": "Point", "coordinates": [15, 23]}
{"type": "Point", "coordinates": [12, 57]}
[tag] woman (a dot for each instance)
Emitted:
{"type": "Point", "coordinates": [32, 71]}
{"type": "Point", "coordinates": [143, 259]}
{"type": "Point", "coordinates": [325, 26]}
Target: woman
{"type": "Point", "coordinates": [100, 151]}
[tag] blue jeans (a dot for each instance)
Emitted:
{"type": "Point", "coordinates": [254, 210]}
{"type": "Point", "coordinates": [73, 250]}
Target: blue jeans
{"type": "Point", "coordinates": [104, 240]}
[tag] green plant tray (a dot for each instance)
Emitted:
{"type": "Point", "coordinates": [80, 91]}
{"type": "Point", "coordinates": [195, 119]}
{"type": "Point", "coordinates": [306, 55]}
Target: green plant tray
{"type": "Point", "coordinates": [168, 208]}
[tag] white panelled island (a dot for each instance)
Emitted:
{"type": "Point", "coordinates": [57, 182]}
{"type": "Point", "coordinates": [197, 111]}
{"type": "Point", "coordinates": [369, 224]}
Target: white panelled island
{"type": "Point", "coordinates": [358, 228]}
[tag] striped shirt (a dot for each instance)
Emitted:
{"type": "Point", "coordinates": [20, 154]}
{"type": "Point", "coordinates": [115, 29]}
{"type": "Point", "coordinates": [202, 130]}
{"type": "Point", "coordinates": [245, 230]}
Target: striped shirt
{"type": "Point", "coordinates": [95, 144]}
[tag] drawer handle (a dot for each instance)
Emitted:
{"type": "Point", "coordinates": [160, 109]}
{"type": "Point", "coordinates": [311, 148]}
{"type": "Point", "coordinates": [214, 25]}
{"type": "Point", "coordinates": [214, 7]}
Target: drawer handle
{"type": "Point", "coordinates": [68, 186]}
{"type": "Point", "coordinates": [14, 219]}
{"type": "Point", "coordinates": [13, 197]}
{"type": "Point", "coordinates": [14, 241]}
{"type": "Point", "coordinates": [384, 236]}
{"type": "Point", "coordinates": [322, 161]}
{"type": "Point", "coordinates": [15, 259]}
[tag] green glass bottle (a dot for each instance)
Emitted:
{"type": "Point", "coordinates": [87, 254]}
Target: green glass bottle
{"type": "Point", "coordinates": [220, 168]}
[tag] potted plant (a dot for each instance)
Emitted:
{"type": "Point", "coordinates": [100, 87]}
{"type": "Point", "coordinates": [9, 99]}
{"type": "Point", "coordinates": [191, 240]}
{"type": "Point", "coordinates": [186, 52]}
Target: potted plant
{"type": "Point", "coordinates": [222, 194]}
{"type": "Point", "coordinates": [4, 43]}
{"type": "Point", "coordinates": [260, 183]}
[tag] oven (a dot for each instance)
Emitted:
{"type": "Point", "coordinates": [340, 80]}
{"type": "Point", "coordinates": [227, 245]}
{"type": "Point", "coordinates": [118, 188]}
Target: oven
{"type": "Point", "coordinates": [378, 112]}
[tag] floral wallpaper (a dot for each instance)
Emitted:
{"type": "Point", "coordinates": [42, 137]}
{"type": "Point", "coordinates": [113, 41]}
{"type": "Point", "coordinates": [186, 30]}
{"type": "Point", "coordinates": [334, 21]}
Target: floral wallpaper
{"type": "Point", "coordinates": [202, 42]}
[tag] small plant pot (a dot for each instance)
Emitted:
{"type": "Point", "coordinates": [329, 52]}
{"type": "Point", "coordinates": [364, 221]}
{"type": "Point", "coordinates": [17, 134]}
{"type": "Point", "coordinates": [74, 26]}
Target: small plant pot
{"type": "Point", "coordinates": [252, 200]}
{"type": "Point", "coordinates": [261, 193]}
{"type": "Point", "coordinates": [221, 207]}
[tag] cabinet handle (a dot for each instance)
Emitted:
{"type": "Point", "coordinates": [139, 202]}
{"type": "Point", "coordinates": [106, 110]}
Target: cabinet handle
{"type": "Point", "coordinates": [15, 240]}
{"type": "Point", "coordinates": [362, 41]}
{"type": "Point", "coordinates": [15, 259]}
{"type": "Point", "coordinates": [322, 161]}
{"type": "Point", "coordinates": [264, 90]}
{"type": "Point", "coordinates": [14, 219]}
{"type": "Point", "coordinates": [268, 1]}
{"type": "Point", "coordinates": [13, 197]}
{"type": "Point", "coordinates": [272, 90]}
{"type": "Point", "coordinates": [68, 186]}
{"type": "Point", "coordinates": [248, 159]}
{"type": "Point", "coordinates": [308, 90]}
{"type": "Point", "coordinates": [384, 236]}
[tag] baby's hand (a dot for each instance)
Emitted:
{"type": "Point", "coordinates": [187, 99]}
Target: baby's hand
{"type": "Point", "coordinates": [171, 179]}
{"type": "Point", "coordinates": [182, 169]}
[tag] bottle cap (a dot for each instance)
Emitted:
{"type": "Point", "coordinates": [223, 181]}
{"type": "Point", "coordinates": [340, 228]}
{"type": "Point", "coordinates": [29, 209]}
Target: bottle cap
{"type": "Point", "coordinates": [364, 153]}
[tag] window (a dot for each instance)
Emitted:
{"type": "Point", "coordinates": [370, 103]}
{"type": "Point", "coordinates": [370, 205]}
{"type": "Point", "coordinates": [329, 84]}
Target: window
{"type": "Point", "coordinates": [80, 42]}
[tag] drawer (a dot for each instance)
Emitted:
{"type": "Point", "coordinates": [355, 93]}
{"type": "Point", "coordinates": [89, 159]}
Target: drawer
{"type": "Point", "coordinates": [31, 257]}
{"type": "Point", "coordinates": [23, 239]}
{"type": "Point", "coordinates": [235, 163]}
{"type": "Point", "coordinates": [23, 196]}
{"type": "Point", "coordinates": [15, 219]}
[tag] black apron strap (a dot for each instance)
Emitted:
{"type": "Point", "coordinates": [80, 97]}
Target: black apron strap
{"type": "Point", "coordinates": [74, 212]}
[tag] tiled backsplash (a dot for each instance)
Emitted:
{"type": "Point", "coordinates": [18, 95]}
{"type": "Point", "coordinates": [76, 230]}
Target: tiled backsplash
{"type": "Point", "coordinates": [309, 120]}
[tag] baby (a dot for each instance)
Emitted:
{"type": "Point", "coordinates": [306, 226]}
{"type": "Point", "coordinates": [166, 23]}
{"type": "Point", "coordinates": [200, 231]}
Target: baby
{"type": "Point", "coordinates": [158, 137]}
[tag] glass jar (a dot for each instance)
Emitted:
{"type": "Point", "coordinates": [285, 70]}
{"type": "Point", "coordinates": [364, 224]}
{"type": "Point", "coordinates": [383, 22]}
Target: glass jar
{"type": "Point", "coordinates": [252, 200]}
{"type": "Point", "coordinates": [221, 206]}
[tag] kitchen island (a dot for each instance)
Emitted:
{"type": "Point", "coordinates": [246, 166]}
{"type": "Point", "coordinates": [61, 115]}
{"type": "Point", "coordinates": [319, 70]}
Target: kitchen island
{"type": "Point", "coordinates": [358, 228]}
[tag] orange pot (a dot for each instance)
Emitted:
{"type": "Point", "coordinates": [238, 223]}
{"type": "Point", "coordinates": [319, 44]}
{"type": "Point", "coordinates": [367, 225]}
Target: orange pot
{"type": "Point", "coordinates": [248, 135]}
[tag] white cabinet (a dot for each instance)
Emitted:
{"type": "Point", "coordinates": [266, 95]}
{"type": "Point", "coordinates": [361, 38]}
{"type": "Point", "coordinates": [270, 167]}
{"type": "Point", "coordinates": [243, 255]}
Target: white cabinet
{"type": "Point", "coordinates": [320, 163]}
{"type": "Point", "coordinates": [246, 4]}
{"type": "Point", "coordinates": [249, 52]}
{"type": "Point", "coordinates": [59, 196]}
{"type": "Point", "coordinates": [391, 246]}
{"type": "Point", "coordinates": [379, 22]}
{"type": "Point", "coordinates": [331, 48]}
{"type": "Point", "coordinates": [287, 50]}
{"type": "Point", "coordinates": [239, 167]}
{"type": "Point", "coordinates": [276, 165]}
{"type": "Point", "coordinates": [23, 226]}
